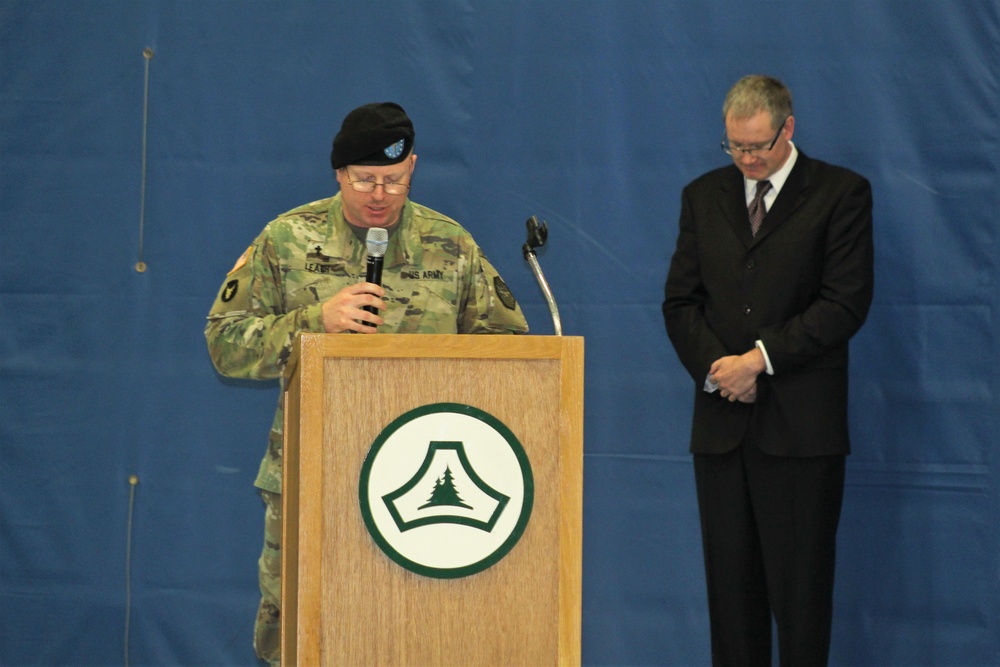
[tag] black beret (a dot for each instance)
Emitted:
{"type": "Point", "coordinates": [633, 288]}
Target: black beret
{"type": "Point", "coordinates": [374, 134]}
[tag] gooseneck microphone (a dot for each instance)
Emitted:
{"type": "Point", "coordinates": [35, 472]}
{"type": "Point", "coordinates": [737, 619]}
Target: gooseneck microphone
{"type": "Point", "coordinates": [377, 241]}
{"type": "Point", "coordinates": [538, 233]}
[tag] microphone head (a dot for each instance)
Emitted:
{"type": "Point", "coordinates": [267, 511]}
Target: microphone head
{"type": "Point", "coordinates": [377, 241]}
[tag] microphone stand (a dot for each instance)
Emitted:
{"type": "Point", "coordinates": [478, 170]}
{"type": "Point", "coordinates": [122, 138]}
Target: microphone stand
{"type": "Point", "coordinates": [538, 233]}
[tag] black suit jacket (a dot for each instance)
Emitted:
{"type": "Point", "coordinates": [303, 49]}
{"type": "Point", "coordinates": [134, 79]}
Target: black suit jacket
{"type": "Point", "coordinates": [803, 286]}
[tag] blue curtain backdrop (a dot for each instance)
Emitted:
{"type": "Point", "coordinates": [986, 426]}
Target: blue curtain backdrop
{"type": "Point", "coordinates": [591, 115]}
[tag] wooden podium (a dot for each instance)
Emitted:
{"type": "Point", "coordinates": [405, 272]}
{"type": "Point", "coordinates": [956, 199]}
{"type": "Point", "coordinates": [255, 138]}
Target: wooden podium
{"type": "Point", "coordinates": [344, 601]}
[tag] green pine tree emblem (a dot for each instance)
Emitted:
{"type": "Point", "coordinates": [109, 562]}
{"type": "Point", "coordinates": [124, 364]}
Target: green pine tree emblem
{"type": "Point", "coordinates": [445, 493]}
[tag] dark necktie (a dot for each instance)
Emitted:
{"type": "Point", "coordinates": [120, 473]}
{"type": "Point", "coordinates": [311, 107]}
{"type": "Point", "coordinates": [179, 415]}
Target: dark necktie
{"type": "Point", "coordinates": [757, 209]}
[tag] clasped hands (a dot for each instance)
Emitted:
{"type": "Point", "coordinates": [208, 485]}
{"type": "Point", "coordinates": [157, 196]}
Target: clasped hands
{"type": "Point", "coordinates": [736, 375]}
{"type": "Point", "coordinates": [343, 311]}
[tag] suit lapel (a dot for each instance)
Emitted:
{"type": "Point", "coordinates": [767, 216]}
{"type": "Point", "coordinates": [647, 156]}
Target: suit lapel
{"type": "Point", "coordinates": [734, 206]}
{"type": "Point", "coordinates": [790, 198]}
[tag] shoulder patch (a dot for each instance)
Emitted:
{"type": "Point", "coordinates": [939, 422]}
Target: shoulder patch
{"type": "Point", "coordinates": [504, 293]}
{"type": "Point", "coordinates": [241, 261]}
{"type": "Point", "coordinates": [230, 290]}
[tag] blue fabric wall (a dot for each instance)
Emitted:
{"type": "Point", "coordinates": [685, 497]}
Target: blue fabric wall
{"type": "Point", "coordinates": [591, 115]}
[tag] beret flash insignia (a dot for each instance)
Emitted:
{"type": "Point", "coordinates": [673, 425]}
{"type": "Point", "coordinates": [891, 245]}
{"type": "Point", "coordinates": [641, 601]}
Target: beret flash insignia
{"type": "Point", "coordinates": [395, 150]}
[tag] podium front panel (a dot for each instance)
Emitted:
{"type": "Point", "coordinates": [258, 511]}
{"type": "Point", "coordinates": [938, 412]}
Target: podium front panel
{"type": "Point", "coordinates": [353, 604]}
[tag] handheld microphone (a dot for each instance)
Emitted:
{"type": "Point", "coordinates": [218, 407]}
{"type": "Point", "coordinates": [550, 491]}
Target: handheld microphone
{"type": "Point", "coordinates": [377, 241]}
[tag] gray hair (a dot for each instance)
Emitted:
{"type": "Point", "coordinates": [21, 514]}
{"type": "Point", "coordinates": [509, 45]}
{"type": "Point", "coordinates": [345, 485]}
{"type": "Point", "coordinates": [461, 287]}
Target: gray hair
{"type": "Point", "coordinates": [755, 93]}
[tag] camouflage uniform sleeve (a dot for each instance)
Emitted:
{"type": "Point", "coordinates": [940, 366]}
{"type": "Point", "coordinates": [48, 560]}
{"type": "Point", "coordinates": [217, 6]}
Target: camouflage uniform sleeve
{"type": "Point", "coordinates": [490, 306]}
{"type": "Point", "coordinates": [249, 334]}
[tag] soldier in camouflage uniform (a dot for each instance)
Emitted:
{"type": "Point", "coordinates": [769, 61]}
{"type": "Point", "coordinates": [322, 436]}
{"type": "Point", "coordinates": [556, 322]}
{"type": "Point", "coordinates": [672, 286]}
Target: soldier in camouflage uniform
{"type": "Point", "coordinates": [306, 272]}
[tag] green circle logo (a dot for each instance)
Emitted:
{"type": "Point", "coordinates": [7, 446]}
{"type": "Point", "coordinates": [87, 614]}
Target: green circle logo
{"type": "Point", "coordinates": [446, 490]}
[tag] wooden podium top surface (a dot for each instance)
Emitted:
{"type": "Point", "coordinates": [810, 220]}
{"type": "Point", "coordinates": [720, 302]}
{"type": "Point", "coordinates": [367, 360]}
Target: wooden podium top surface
{"type": "Point", "coordinates": [452, 346]}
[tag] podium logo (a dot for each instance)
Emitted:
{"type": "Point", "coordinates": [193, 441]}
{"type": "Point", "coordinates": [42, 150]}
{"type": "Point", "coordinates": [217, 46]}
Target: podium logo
{"type": "Point", "coordinates": [446, 490]}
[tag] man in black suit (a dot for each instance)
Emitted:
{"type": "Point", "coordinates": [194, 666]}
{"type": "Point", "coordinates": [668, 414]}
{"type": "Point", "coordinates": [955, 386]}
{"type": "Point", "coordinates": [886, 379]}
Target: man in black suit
{"type": "Point", "coordinates": [760, 312]}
